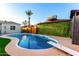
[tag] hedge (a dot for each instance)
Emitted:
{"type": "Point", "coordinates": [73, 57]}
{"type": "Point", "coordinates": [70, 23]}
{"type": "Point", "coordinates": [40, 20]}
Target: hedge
{"type": "Point", "coordinates": [55, 28]}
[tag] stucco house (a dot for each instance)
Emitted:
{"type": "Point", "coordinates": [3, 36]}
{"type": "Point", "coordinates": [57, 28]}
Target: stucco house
{"type": "Point", "coordinates": [8, 27]}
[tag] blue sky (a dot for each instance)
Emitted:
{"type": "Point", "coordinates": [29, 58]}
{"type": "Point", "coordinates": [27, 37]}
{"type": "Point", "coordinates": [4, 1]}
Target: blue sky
{"type": "Point", "coordinates": [16, 12]}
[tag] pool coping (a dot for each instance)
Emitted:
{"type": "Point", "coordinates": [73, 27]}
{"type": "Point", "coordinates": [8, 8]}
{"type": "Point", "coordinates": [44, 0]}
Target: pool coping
{"type": "Point", "coordinates": [58, 46]}
{"type": "Point", "coordinates": [65, 49]}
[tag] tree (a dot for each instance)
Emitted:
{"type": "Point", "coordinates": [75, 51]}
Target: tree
{"type": "Point", "coordinates": [29, 13]}
{"type": "Point", "coordinates": [24, 23]}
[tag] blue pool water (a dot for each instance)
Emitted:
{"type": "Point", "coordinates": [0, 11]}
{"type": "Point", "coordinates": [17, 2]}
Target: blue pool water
{"type": "Point", "coordinates": [30, 41]}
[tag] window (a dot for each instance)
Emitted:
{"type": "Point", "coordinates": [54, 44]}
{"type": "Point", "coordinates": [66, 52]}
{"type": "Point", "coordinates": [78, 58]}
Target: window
{"type": "Point", "coordinates": [12, 27]}
{"type": "Point", "coordinates": [0, 24]}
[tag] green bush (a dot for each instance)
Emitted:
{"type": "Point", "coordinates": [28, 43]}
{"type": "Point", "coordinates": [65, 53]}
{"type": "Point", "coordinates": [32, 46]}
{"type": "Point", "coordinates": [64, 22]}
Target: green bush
{"type": "Point", "coordinates": [57, 28]}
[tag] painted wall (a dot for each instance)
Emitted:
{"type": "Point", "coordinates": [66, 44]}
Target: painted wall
{"type": "Point", "coordinates": [0, 28]}
{"type": "Point", "coordinates": [75, 36]}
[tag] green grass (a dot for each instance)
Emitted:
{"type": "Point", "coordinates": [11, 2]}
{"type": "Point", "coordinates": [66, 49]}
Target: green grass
{"type": "Point", "coordinates": [3, 43]}
{"type": "Point", "coordinates": [57, 29]}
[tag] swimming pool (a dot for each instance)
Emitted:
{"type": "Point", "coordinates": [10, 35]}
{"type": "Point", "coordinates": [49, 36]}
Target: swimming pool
{"type": "Point", "coordinates": [33, 41]}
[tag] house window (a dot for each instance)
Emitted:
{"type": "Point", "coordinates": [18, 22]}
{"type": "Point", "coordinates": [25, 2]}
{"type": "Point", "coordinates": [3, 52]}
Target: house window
{"type": "Point", "coordinates": [12, 27]}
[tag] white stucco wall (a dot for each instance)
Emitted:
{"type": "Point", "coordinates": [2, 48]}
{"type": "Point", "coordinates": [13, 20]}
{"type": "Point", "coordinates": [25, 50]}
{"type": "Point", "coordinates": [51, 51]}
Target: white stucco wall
{"type": "Point", "coordinates": [0, 28]}
{"type": "Point", "coordinates": [8, 31]}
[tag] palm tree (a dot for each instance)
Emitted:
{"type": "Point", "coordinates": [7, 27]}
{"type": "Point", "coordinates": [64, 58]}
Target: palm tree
{"type": "Point", "coordinates": [29, 13]}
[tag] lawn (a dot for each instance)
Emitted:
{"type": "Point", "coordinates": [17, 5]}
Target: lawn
{"type": "Point", "coordinates": [3, 43]}
{"type": "Point", "coordinates": [57, 28]}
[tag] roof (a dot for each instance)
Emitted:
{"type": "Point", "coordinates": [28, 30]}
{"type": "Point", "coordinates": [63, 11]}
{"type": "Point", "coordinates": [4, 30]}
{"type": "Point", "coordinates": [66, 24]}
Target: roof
{"type": "Point", "coordinates": [10, 22]}
{"type": "Point", "coordinates": [58, 20]}
{"type": "Point", "coordinates": [72, 13]}
{"type": "Point", "coordinates": [54, 21]}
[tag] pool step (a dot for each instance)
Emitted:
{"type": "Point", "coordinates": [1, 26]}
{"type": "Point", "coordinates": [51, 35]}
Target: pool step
{"type": "Point", "coordinates": [65, 49]}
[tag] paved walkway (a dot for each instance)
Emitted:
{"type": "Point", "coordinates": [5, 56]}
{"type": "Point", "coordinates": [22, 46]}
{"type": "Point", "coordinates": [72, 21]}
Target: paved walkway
{"type": "Point", "coordinates": [67, 42]}
{"type": "Point", "coordinates": [12, 49]}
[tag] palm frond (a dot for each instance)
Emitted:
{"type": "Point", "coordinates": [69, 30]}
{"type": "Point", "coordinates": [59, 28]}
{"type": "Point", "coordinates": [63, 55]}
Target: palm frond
{"type": "Point", "coordinates": [29, 12]}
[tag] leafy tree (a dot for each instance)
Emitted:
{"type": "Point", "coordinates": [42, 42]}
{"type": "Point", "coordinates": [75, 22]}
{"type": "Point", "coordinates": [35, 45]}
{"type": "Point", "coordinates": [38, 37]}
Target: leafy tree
{"type": "Point", "coordinates": [24, 23]}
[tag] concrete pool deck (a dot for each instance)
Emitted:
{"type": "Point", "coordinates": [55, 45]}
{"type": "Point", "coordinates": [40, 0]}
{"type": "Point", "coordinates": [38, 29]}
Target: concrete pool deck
{"type": "Point", "coordinates": [14, 50]}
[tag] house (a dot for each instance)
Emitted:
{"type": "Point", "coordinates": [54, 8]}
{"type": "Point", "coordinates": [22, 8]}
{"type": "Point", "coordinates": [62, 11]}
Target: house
{"type": "Point", "coordinates": [8, 27]}
{"type": "Point", "coordinates": [54, 19]}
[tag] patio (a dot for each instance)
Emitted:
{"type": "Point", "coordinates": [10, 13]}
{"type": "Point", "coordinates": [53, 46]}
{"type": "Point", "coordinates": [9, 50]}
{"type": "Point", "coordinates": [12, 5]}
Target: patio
{"type": "Point", "coordinates": [14, 50]}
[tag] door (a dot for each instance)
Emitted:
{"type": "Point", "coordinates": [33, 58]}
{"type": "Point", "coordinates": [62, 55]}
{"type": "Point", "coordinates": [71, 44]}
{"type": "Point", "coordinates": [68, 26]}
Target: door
{"type": "Point", "coordinates": [0, 28]}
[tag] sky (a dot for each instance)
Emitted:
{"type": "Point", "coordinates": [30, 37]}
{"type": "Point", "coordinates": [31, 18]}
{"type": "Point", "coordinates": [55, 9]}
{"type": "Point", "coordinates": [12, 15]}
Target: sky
{"type": "Point", "coordinates": [16, 11]}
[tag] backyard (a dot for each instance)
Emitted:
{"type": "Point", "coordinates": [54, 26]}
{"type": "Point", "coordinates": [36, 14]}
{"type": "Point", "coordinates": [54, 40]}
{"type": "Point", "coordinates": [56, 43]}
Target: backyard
{"type": "Point", "coordinates": [50, 37]}
{"type": "Point", "coordinates": [59, 30]}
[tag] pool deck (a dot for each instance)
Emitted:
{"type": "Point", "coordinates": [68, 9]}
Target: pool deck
{"type": "Point", "coordinates": [14, 50]}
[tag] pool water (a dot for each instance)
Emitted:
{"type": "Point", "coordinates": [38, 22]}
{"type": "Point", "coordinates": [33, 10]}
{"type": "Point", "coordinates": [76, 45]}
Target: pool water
{"type": "Point", "coordinates": [30, 41]}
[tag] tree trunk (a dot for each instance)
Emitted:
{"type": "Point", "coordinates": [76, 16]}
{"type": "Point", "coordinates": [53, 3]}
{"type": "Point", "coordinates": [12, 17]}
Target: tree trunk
{"type": "Point", "coordinates": [28, 21]}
